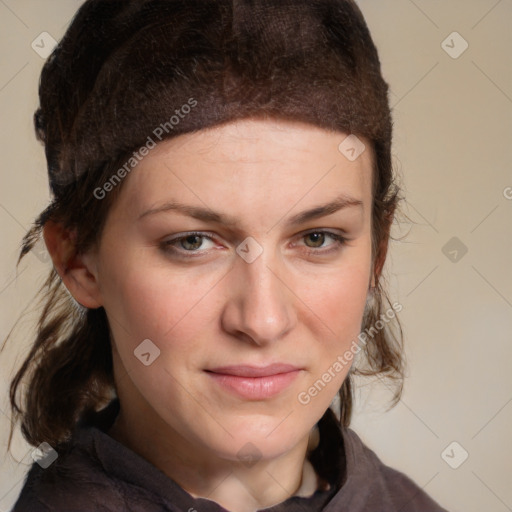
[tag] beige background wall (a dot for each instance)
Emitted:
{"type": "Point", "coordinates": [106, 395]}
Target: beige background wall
{"type": "Point", "coordinates": [453, 129]}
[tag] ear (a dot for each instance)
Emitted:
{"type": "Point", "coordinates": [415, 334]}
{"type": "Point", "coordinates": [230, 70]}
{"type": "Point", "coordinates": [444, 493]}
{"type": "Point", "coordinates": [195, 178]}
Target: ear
{"type": "Point", "coordinates": [380, 260]}
{"type": "Point", "coordinates": [382, 251]}
{"type": "Point", "coordinates": [77, 271]}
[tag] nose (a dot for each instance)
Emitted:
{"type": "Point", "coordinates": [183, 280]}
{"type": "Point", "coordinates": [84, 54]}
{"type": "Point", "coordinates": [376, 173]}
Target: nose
{"type": "Point", "coordinates": [260, 306]}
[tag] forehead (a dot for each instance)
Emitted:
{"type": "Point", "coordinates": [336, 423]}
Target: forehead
{"type": "Point", "coordinates": [248, 166]}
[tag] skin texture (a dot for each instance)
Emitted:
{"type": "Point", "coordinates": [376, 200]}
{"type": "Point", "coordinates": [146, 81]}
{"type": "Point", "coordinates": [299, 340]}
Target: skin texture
{"type": "Point", "coordinates": [301, 301]}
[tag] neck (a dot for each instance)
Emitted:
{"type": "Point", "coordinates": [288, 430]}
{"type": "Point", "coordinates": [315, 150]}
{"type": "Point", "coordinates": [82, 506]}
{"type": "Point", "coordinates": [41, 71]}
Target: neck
{"type": "Point", "coordinates": [235, 485]}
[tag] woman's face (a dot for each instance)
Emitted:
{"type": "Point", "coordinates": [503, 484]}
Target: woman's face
{"type": "Point", "coordinates": [222, 250]}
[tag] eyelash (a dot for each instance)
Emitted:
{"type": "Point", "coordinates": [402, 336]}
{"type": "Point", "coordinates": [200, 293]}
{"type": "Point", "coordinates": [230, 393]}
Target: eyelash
{"type": "Point", "coordinates": [168, 245]}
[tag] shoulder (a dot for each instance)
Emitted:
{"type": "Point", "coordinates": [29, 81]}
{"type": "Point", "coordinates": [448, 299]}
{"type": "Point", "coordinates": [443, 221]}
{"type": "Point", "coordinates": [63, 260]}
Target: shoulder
{"type": "Point", "coordinates": [73, 482]}
{"type": "Point", "coordinates": [95, 472]}
{"type": "Point", "coordinates": [370, 485]}
{"type": "Point", "coordinates": [27, 500]}
{"type": "Point", "coordinates": [76, 480]}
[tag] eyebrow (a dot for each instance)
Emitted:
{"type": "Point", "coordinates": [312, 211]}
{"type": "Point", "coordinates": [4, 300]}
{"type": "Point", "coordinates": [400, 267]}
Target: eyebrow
{"type": "Point", "coordinates": [204, 214]}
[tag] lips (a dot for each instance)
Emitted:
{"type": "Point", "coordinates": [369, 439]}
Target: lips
{"type": "Point", "coordinates": [254, 371]}
{"type": "Point", "coordinates": [254, 383]}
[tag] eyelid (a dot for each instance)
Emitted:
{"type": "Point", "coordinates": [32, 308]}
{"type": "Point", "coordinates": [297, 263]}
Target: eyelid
{"type": "Point", "coordinates": [326, 231]}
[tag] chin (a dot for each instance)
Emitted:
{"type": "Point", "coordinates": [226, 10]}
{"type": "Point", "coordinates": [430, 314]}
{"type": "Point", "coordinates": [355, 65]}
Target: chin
{"type": "Point", "coordinates": [250, 451]}
{"type": "Point", "coordinates": [252, 440]}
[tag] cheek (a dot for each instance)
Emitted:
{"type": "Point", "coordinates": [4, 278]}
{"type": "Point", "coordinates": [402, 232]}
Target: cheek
{"type": "Point", "coordinates": [336, 307]}
{"type": "Point", "coordinates": [152, 302]}
{"type": "Point", "coordinates": [338, 298]}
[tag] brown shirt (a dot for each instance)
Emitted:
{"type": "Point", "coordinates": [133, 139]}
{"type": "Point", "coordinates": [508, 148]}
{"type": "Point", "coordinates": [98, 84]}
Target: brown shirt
{"type": "Point", "coordinates": [94, 472]}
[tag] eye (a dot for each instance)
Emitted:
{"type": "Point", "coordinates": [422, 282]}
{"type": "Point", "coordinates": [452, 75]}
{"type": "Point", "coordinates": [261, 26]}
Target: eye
{"type": "Point", "coordinates": [317, 240]}
{"type": "Point", "coordinates": [188, 243]}
{"type": "Point", "coordinates": [191, 242]}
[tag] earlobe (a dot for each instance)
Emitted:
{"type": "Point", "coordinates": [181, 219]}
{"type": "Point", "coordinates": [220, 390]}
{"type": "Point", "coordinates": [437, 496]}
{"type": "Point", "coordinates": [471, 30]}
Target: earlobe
{"type": "Point", "coordinates": [77, 271]}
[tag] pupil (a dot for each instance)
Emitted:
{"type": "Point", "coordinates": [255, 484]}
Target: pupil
{"type": "Point", "coordinates": [317, 239]}
{"type": "Point", "coordinates": [192, 242]}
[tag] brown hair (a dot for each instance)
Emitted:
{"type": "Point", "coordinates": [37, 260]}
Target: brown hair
{"type": "Point", "coordinates": [123, 69]}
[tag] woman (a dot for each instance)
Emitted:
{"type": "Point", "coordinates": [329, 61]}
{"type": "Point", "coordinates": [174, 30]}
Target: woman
{"type": "Point", "coordinates": [222, 200]}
